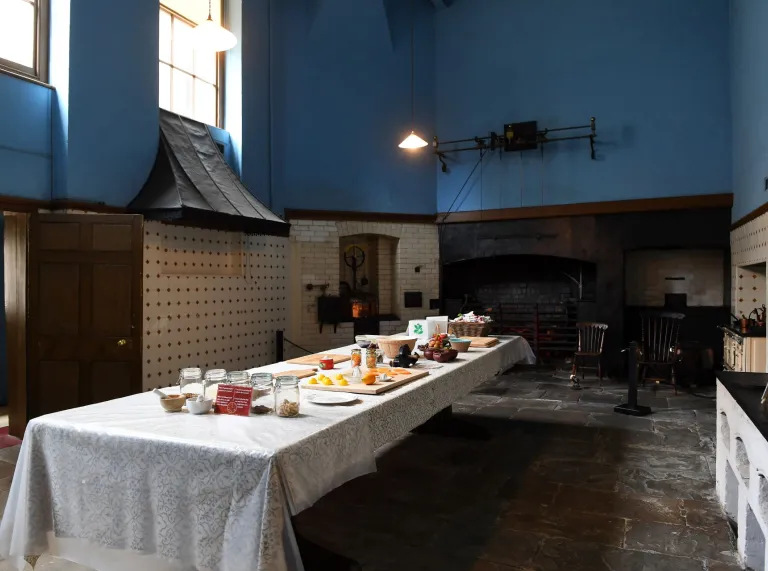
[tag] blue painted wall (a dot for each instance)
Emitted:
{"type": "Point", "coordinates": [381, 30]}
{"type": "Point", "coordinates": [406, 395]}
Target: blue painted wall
{"type": "Point", "coordinates": [111, 127]}
{"type": "Point", "coordinates": [749, 96]}
{"type": "Point", "coordinates": [341, 103]}
{"type": "Point", "coordinates": [25, 139]}
{"type": "Point", "coordinates": [653, 72]}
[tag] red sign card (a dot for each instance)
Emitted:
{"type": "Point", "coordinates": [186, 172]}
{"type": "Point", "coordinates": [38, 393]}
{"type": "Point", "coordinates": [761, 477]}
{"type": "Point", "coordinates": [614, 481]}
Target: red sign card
{"type": "Point", "coordinates": [233, 399]}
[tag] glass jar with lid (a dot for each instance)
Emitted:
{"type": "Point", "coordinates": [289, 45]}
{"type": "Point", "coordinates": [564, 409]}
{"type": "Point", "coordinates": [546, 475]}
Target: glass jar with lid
{"type": "Point", "coordinates": [286, 393]}
{"type": "Point", "coordinates": [212, 379]}
{"type": "Point", "coordinates": [240, 378]}
{"type": "Point", "coordinates": [191, 381]}
{"type": "Point", "coordinates": [262, 393]}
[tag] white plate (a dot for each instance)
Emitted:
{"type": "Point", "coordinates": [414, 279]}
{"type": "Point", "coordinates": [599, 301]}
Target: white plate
{"type": "Point", "coordinates": [331, 398]}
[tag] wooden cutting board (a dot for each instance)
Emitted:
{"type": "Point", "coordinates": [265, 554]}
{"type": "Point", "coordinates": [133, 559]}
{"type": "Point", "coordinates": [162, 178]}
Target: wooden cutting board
{"type": "Point", "coordinates": [301, 373]}
{"type": "Point", "coordinates": [361, 389]}
{"type": "Point", "coordinates": [483, 342]}
{"type": "Point", "coordinates": [315, 359]}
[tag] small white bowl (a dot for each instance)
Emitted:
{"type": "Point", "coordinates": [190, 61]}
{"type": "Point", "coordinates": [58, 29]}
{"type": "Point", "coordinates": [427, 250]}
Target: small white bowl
{"type": "Point", "coordinates": [199, 407]}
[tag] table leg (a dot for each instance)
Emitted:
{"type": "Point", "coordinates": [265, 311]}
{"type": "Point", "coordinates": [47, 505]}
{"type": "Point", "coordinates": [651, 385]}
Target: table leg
{"type": "Point", "coordinates": [318, 558]}
{"type": "Point", "coordinates": [445, 424]}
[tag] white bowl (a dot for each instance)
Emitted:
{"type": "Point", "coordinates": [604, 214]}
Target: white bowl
{"type": "Point", "coordinates": [199, 407]}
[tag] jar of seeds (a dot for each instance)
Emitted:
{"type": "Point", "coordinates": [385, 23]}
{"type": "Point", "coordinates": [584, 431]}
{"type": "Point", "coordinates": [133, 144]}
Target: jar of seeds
{"type": "Point", "coordinates": [286, 393]}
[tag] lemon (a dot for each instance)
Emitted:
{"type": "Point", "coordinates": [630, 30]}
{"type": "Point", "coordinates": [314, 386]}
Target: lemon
{"type": "Point", "coordinates": [327, 381]}
{"type": "Point", "coordinates": [312, 381]}
{"type": "Point", "coordinates": [339, 377]}
{"type": "Point", "coordinates": [343, 382]}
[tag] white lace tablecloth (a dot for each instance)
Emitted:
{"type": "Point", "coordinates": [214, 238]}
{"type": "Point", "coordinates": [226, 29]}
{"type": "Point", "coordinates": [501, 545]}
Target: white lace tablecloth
{"type": "Point", "coordinates": [123, 485]}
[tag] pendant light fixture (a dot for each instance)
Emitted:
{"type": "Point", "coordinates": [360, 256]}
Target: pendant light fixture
{"type": "Point", "coordinates": [412, 141]}
{"type": "Point", "coordinates": [212, 37]}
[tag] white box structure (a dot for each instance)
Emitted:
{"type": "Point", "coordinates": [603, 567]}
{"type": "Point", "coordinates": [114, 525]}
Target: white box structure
{"type": "Point", "coordinates": [742, 487]}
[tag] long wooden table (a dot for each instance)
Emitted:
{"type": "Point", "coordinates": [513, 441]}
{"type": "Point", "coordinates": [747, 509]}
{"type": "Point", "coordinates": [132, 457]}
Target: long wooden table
{"type": "Point", "coordinates": [123, 485]}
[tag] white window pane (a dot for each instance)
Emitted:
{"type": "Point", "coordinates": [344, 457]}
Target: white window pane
{"type": "Point", "coordinates": [183, 46]}
{"type": "Point", "coordinates": [182, 98]}
{"type": "Point", "coordinates": [17, 32]}
{"type": "Point", "coordinates": [205, 102]}
{"type": "Point", "coordinates": [205, 65]}
{"type": "Point", "coordinates": [165, 86]}
{"type": "Point", "coordinates": [165, 36]}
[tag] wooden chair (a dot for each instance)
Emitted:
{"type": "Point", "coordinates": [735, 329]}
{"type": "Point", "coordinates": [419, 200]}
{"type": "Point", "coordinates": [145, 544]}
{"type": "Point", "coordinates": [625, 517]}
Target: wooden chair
{"type": "Point", "coordinates": [659, 347]}
{"type": "Point", "coordinates": [591, 339]}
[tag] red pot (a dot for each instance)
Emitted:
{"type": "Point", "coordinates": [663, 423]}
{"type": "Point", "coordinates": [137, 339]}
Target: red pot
{"type": "Point", "coordinates": [326, 364]}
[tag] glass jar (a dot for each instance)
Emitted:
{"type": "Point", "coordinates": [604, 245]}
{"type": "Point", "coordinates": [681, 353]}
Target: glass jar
{"type": "Point", "coordinates": [213, 378]}
{"type": "Point", "coordinates": [287, 395]}
{"type": "Point", "coordinates": [357, 357]}
{"type": "Point", "coordinates": [240, 378]}
{"type": "Point", "coordinates": [191, 381]}
{"type": "Point", "coordinates": [371, 358]}
{"type": "Point", "coordinates": [262, 393]}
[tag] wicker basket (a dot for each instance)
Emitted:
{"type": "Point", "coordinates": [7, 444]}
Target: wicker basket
{"type": "Point", "coordinates": [462, 329]}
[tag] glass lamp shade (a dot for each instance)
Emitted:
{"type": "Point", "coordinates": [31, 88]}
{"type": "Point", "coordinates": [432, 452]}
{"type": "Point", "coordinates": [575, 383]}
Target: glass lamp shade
{"type": "Point", "coordinates": [211, 36]}
{"type": "Point", "coordinates": [413, 141]}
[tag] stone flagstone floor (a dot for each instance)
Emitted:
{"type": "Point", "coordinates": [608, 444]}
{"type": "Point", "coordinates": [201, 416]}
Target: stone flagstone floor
{"type": "Point", "coordinates": [563, 484]}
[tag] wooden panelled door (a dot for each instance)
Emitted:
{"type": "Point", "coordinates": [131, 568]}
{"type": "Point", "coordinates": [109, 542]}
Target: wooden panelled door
{"type": "Point", "coordinates": [84, 309]}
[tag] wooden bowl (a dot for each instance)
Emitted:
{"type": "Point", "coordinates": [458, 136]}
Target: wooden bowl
{"type": "Point", "coordinates": [461, 345]}
{"type": "Point", "coordinates": [173, 403]}
{"type": "Point", "coordinates": [390, 346]}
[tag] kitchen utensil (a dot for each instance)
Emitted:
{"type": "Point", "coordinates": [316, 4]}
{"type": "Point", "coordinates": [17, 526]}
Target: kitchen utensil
{"type": "Point", "coordinates": [445, 356]}
{"type": "Point", "coordinates": [391, 345]}
{"type": "Point", "coordinates": [376, 388]}
{"type": "Point", "coordinates": [196, 406]}
{"type": "Point", "coordinates": [173, 403]}
{"type": "Point", "coordinates": [483, 342]}
{"type": "Point", "coordinates": [331, 399]}
{"type": "Point", "coordinates": [461, 345]}
{"type": "Point", "coordinates": [160, 393]}
{"type": "Point", "coordinates": [315, 359]}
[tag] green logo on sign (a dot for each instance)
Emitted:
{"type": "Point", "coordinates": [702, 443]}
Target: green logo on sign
{"type": "Point", "coordinates": [418, 329]}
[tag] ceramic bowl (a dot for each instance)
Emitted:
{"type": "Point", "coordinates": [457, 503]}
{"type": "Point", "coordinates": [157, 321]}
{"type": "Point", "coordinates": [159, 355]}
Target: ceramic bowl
{"type": "Point", "coordinates": [445, 356]}
{"type": "Point", "coordinates": [173, 403]}
{"type": "Point", "coordinates": [461, 345]}
{"type": "Point", "coordinates": [199, 407]}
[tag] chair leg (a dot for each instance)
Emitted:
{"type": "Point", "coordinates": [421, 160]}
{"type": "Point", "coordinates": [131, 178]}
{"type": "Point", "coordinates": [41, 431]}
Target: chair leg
{"type": "Point", "coordinates": [674, 383]}
{"type": "Point", "coordinates": [575, 366]}
{"type": "Point", "coordinates": [641, 374]}
{"type": "Point", "coordinates": [600, 369]}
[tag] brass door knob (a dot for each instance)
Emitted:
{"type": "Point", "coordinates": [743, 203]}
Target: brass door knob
{"type": "Point", "coordinates": [122, 342]}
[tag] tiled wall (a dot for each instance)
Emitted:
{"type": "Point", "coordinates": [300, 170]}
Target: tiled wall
{"type": "Point", "coordinates": [749, 253]}
{"type": "Point", "coordinates": [211, 299]}
{"type": "Point", "coordinates": [315, 260]}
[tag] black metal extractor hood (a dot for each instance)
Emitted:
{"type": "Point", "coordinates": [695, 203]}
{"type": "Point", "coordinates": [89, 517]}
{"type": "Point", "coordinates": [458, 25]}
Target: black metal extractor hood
{"type": "Point", "coordinates": [191, 184]}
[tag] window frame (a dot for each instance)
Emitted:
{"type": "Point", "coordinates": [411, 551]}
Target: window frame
{"type": "Point", "coordinates": [219, 85]}
{"type": "Point", "coordinates": [39, 72]}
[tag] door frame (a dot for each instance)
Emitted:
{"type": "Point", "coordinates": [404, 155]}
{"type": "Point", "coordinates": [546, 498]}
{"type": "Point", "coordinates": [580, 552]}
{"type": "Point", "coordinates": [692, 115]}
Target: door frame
{"type": "Point", "coordinates": [15, 244]}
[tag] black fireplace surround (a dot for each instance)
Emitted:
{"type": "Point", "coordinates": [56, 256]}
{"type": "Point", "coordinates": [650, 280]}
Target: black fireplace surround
{"type": "Point", "coordinates": [600, 241]}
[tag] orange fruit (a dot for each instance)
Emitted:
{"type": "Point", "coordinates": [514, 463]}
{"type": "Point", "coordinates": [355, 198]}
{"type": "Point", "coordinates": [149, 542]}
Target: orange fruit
{"type": "Point", "coordinates": [369, 379]}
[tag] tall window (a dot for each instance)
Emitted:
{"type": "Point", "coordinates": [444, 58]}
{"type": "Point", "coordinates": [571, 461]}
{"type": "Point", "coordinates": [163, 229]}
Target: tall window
{"type": "Point", "coordinates": [188, 77]}
{"type": "Point", "coordinates": [23, 37]}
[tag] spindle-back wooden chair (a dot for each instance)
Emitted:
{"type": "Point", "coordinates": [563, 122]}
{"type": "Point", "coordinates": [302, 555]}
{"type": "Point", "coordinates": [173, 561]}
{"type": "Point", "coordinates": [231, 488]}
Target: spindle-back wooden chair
{"type": "Point", "coordinates": [590, 348]}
